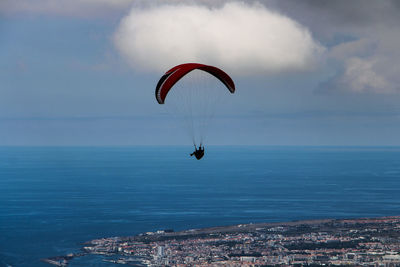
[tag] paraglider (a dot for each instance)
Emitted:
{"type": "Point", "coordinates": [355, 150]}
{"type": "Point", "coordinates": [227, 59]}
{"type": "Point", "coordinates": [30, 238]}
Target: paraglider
{"type": "Point", "coordinates": [198, 153]}
{"type": "Point", "coordinates": [194, 100]}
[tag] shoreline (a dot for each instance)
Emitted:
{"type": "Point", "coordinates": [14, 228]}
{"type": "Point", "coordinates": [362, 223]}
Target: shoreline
{"type": "Point", "coordinates": [149, 248]}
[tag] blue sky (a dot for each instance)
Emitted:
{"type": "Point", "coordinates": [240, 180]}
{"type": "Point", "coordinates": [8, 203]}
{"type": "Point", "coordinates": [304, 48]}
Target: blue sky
{"type": "Point", "coordinates": [69, 77]}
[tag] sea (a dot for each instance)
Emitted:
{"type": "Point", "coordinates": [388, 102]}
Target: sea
{"type": "Point", "coordinates": [53, 199]}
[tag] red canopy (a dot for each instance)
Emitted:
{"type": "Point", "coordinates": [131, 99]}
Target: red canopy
{"type": "Point", "coordinates": [171, 77]}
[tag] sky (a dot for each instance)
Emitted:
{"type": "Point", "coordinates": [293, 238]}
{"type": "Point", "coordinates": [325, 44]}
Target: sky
{"type": "Point", "coordinates": [83, 72]}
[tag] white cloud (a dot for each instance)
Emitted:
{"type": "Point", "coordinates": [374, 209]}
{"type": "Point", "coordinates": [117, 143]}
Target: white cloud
{"type": "Point", "coordinates": [357, 48]}
{"type": "Point", "coordinates": [241, 38]}
{"type": "Point", "coordinates": [369, 64]}
{"type": "Point", "coordinates": [360, 76]}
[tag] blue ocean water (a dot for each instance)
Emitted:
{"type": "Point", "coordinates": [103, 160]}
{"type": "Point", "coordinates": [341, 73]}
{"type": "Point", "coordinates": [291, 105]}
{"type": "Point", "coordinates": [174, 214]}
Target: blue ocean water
{"type": "Point", "coordinates": [53, 199]}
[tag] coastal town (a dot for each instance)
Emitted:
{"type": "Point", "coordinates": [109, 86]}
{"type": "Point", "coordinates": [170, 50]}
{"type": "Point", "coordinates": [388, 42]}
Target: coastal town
{"type": "Point", "coordinates": [347, 242]}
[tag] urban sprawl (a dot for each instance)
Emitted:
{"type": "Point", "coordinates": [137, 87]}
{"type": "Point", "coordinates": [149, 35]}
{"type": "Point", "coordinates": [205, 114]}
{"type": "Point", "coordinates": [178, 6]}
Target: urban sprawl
{"type": "Point", "coordinates": [349, 242]}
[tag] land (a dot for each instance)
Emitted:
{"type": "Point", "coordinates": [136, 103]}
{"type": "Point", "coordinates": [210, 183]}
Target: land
{"type": "Point", "coordinates": [330, 242]}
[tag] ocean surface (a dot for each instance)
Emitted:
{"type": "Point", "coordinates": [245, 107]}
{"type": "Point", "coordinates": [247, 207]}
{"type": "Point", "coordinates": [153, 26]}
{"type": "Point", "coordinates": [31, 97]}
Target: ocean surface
{"type": "Point", "coordinates": [54, 199]}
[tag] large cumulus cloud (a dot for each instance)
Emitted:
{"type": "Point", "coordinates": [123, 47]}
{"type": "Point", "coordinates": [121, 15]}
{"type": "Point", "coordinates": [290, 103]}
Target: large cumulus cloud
{"type": "Point", "coordinates": [242, 38]}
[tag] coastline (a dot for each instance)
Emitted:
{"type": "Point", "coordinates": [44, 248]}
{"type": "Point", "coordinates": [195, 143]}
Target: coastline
{"type": "Point", "coordinates": [164, 247]}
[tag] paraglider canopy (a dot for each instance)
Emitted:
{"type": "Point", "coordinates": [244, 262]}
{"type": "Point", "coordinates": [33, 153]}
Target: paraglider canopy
{"type": "Point", "coordinates": [171, 77]}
